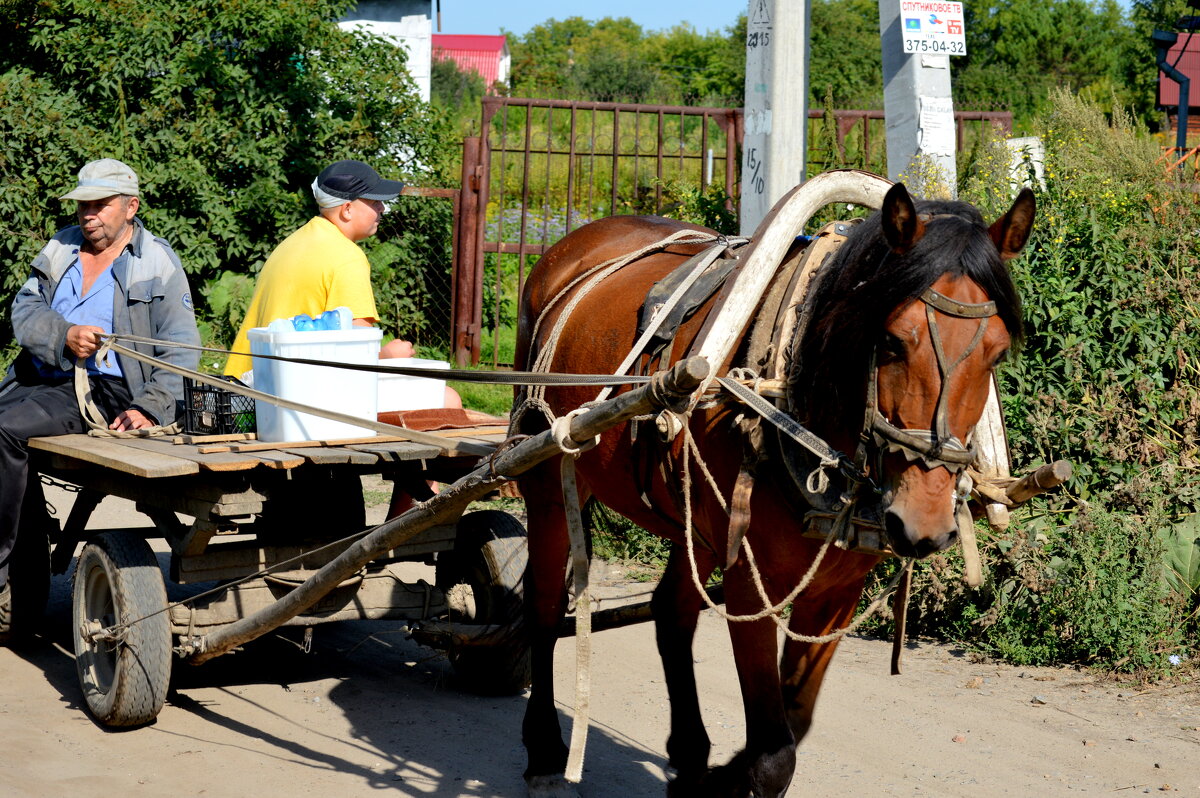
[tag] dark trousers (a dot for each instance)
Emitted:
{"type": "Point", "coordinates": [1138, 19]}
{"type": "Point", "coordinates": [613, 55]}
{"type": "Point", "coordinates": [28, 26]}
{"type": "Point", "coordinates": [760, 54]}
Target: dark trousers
{"type": "Point", "coordinates": [32, 409]}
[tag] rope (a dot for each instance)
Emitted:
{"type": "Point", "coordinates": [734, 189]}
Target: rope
{"type": "Point", "coordinates": [444, 444]}
{"type": "Point", "coordinates": [97, 424]}
{"type": "Point", "coordinates": [774, 612]}
{"type": "Point", "coordinates": [460, 375]}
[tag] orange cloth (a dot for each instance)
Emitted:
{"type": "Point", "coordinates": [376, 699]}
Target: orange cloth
{"type": "Point", "coordinates": [436, 418]}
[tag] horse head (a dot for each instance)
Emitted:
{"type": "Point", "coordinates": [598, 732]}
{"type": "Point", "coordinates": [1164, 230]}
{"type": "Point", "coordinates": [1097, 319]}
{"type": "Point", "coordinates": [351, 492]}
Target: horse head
{"type": "Point", "coordinates": [909, 322]}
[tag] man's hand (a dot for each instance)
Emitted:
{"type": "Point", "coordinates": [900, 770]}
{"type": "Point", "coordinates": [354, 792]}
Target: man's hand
{"type": "Point", "coordinates": [84, 340]}
{"type": "Point", "coordinates": [131, 419]}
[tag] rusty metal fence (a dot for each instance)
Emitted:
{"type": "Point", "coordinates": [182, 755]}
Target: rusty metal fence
{"type": "Point", "coordinates": [542, 168]}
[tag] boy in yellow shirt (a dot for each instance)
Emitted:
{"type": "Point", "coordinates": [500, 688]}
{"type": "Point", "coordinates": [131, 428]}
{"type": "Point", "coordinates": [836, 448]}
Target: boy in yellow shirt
{"type": "Point", "coordinates": [320, 266]}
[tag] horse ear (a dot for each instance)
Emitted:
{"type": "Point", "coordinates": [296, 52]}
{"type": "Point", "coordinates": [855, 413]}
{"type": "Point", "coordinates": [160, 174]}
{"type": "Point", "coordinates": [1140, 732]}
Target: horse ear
{"type": "Point", "coordinates": [901, 226]}
{"type": "Point", "coordinates": [1011, 231]}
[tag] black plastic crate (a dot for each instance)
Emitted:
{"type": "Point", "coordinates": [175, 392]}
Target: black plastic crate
{"type": "Point", "coordinates": [209, 410]}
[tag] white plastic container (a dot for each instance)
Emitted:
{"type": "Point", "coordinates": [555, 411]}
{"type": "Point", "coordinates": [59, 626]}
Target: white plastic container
{"type": "Point", "coordinates": [401, 392]}
{"type": "Point", "coordinates": [341, 390]}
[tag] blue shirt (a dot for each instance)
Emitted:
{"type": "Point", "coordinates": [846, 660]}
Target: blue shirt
{"type": "Point", "coordinates": [94, 308]}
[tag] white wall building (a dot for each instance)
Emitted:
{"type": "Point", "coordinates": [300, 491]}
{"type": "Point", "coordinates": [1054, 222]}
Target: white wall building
{"type": "Point", "coordinates": [407, 23]}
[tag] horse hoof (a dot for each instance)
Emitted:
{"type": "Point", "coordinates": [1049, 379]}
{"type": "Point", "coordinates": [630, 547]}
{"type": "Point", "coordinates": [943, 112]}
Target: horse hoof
{"type": "Point", "coordinates": [550, 787]}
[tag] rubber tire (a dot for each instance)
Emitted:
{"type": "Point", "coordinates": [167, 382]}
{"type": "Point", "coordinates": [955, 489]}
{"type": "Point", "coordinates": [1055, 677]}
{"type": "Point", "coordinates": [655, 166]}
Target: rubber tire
{"type": "Point", "coordinates": [23, 604]}
{"type": "Point", "coordinates": [118, 580]}
{"type": "Point", "coordinates": [489, 557]}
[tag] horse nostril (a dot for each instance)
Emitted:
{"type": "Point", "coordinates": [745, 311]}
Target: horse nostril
{"type": "Point", "coordinates": [897, 532]}
{"type": "Point", "coordinates": [903, 544]}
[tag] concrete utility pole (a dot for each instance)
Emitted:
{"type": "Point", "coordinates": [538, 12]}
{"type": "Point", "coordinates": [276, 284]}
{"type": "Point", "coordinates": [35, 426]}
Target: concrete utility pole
{"type": "Point", "coordinates": [916, 99]}
{"type": "Point", "coordinates": [775, 142]}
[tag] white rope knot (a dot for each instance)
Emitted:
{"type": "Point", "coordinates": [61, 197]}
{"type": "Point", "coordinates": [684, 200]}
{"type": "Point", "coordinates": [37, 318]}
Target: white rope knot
{"type": "Point", "coordinates": [818, 478]}
{"type": "Point", "coordinates": [560, 429]}
{"type": "Point", "coordinates": [963, 488]}
{"type": "Point", "coordinates": [105, 347]}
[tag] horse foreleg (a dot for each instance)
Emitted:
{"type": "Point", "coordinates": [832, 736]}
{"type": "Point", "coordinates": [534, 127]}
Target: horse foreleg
{"type": "Point", "coordinates": [545, 606]}
{"type": "Point", "coordinates": [803, 664]}
{"type": "Point", "coordinates": [676, 607]}
{"type": "Point", "coordinates": [765, 766]}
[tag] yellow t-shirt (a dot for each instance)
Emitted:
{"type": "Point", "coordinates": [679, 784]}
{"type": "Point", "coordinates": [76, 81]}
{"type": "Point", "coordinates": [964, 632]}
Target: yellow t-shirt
{"type": "Point", "coordinates": [315, 269]}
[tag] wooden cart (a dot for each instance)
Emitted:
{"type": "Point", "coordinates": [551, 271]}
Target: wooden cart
{"type": "Point", "coordinates": [264, 517]}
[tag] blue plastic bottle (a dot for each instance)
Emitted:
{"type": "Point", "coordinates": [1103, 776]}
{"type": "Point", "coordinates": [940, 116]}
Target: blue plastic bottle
{"type": "Point", "coordinates": [303, 322]}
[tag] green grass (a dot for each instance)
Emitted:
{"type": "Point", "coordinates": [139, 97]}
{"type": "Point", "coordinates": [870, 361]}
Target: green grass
{"type": "Point", "coordinates": [493, 399]}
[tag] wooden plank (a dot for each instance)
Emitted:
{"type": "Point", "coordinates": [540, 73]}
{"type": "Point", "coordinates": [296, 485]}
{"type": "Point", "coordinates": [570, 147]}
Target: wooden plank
{"type": "Point", "coordinates": [106, 452]}
{"type": "Point", "coordinates": [321, 455]}
{"type": "Point", "coordinates": [265, 445]}
{"type": "Point", "coordinates": [221, 461]}
{"type": "Point", "coordinates": [470, 432]}
{"type": "Point", "coordinates": [233, 436]}
{"type": "Point", "coordinates": [399, 452]}
{"type": "Point", "coordinates": [278, 459]}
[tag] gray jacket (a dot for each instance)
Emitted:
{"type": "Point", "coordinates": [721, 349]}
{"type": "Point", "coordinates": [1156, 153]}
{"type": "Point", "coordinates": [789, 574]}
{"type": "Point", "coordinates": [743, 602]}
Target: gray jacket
{"type": "Point", "coordinates": [152, 300]}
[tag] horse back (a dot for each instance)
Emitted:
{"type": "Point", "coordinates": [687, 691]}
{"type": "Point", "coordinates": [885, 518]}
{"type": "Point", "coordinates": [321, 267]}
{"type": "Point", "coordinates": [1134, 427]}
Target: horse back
{"type": "Point", "coordinates": [593, 244]}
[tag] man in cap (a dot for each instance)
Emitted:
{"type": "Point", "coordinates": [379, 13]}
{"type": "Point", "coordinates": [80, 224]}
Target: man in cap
{"type": "Point", "coordinates": [107, 274]}
{"type": "Point", "coordinates": [320, 266]}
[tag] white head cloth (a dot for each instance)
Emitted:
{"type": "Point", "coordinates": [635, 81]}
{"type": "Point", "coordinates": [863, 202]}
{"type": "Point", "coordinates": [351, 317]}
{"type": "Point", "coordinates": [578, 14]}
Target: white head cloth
{"type": "Point", "coordinates": [326, 200]}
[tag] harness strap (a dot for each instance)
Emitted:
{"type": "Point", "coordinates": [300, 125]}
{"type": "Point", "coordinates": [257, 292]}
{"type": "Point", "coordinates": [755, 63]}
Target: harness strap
{"type": "Point", "coordinates": [97, 424]}
{"type": "Point", "coordinates": [941, 420]}
{"type": "Point", "coordinates": [703, 261]}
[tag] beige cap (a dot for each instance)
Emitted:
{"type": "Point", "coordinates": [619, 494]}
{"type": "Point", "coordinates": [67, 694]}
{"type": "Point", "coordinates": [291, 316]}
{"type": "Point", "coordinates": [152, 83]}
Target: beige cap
{"type": "Point", "coordinates": [104, 178]}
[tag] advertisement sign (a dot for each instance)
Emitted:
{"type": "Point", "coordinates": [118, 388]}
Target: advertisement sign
{"type": "Point", "coordinates": [933, 27]}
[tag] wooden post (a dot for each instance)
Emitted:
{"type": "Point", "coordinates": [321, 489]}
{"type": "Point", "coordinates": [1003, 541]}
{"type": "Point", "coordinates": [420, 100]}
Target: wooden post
{"type": "Point", "coordinates": [775, 143]}
{"type": "Point", "coordinates": [918, 107]}
{"type": "Point", "coordinates": [465, 324]}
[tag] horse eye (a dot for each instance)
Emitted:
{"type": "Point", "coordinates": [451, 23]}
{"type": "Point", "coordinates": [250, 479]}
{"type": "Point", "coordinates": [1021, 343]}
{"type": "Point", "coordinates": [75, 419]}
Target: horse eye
{"type": "Point", "coordinates": [891, 349]}
{"type": "Point", "coordinates": [1001, 358]}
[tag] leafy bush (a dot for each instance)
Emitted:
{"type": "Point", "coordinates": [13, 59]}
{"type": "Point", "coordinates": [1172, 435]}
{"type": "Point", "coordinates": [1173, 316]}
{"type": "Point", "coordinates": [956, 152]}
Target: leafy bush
{"type": "Point", "coordinates": [1103, 572]}
{"type": "Point", "coordinates": [226, 110]}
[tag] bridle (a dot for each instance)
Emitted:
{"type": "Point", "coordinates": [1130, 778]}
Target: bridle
{"type": "Point", "coordinates": [937, 446]}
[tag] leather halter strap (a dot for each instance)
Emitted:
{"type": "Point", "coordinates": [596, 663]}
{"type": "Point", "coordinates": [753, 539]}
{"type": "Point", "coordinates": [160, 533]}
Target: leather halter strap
{"type": "Point", "coordinates": [936, 446]}
{"type": "Point", "coordinates": [952, 307]}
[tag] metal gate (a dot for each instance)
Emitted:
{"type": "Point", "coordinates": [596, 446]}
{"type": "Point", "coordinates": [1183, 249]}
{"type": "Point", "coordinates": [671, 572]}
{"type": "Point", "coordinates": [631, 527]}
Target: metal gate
{"type": "Point", "coordinates": [542, 168]}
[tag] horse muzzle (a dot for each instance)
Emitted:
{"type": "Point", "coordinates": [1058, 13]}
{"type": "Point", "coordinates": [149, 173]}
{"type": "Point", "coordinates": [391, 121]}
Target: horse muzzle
{"type": "Point", "coordinates": [920, 511]}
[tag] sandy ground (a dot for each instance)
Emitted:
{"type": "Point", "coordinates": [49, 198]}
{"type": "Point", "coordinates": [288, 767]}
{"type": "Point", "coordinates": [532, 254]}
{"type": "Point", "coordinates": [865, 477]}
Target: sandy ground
{"type": "Point", "coordinates": [368, 713]}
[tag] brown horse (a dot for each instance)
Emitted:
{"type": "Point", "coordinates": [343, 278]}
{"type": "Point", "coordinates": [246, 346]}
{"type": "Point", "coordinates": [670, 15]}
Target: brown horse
{"type": "Point", "coordinates": [915, 310]}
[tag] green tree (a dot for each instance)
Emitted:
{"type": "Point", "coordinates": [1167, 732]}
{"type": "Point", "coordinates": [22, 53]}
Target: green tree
{"type": "Point", "coordinates": [844, 55]}
{"type": "Point", "coordinates": [1019, 50]}
{"type": "Point", "coordinates": [614, 59]}
{"type": "Point", "coordinates": [543, 58]}
{"type": "Point", "coordinates": [700, 69]}
{"type": "Point", "coordinates": [457, 91]}
{"type": "Point", "coordinates": [226, 109]}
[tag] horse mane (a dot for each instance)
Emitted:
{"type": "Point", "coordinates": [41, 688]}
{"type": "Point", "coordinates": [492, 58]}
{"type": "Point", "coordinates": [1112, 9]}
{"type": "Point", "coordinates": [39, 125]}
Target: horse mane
{"type": "Point", "coordinates": [854, 296]}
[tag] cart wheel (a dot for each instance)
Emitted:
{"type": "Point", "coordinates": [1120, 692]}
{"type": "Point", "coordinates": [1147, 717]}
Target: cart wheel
{"type": "Point", "coordinates": [118, 581]}
{"type": "Point", "coordinates": [23, 601]}
{"type": "Point", "coordinates": [483, 578]}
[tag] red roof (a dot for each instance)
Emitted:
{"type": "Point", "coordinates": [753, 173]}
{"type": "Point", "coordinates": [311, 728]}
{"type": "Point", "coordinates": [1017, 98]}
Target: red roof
{"type": "Point", "coordinates": [481, 54]}
{"type": "Point", "coordinates": [1188, 64]}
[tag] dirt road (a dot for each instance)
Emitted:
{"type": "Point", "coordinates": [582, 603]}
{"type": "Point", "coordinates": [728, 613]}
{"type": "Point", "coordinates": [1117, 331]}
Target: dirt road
{"type": "Point", "coordinates": [369, 713]}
